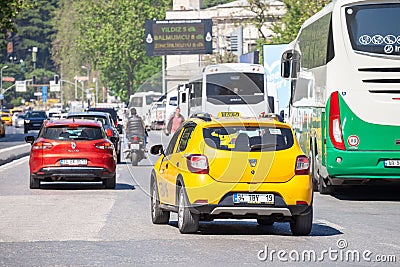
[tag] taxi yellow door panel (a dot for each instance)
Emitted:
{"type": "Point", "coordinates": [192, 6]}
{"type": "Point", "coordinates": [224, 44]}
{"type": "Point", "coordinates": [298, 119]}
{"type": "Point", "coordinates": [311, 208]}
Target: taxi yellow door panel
{"type": "Point", "coordinates": [250, 167]}
{"type": "Point", "coordinates": [164, 187]}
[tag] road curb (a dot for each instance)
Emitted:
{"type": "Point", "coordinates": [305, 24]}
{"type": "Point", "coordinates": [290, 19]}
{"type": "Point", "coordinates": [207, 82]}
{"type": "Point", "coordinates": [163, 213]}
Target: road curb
{"type": "Point", "coordinates": [12, 153]}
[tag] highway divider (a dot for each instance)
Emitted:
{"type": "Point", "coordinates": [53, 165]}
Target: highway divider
{"type": "Point", "coordinates": [12, 153]}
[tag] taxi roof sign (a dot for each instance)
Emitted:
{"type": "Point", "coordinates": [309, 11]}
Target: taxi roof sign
{"type": "Point", "coordinates": [228, 114]}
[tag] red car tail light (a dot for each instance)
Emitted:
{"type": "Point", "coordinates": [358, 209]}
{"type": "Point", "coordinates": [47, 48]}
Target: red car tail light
{"type": "Point", "coordinates": [41, 145]}
{"type": "Point", "coordinates": [302, 165]}
{"type": "Point", "coordinates": [197, 163]}
{"type": "Point", "coordinates": [335, 129]}
{"type": "Point", "coordinates": [104, 145]}
{"type": "Point", "coordinates": [109, 132]}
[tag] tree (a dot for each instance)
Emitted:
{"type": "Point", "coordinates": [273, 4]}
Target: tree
{"type": "Point", "coordinates": [112, 39]}
{"type": "Point", "coordinates": [211, 3]}
{"type": "Point", "coordinates": [9, 11]}
{"type": "Point", "coordinates": [297, 11]}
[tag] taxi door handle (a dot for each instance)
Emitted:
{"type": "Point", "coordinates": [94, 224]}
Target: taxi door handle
{"type": "Point", "coordinates": [166, 166]}
{"type": "Point", "coordinates": [177, 164]}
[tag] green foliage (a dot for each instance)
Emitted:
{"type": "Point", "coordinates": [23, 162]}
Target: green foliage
{"type": "Point", "coordinates": [106, 36]}
{"type": "Point", "coordinates": [9, 11]}
{"type": "Point", "coordinates": [211, 3]}
{"type": "Point", "coordinates": [297, 12]}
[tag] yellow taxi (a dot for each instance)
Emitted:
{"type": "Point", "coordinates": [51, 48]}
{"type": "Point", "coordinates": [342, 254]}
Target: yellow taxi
{"type": "Point", "coordinates": [260, 173]}
{"type": "Point", "coordinates": [6, 118]}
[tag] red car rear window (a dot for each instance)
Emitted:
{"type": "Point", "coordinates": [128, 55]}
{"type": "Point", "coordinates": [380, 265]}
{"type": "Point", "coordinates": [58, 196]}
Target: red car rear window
{"type": "Point", "coordinates": [73, 133]}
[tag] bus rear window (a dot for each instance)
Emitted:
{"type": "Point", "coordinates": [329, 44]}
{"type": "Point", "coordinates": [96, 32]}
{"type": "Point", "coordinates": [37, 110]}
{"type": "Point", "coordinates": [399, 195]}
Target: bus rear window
{"type": "Point", "coordinates": [374, 29]}
{"type": "Point", "coordinates": [241, 84]}
{"type": "Point", "coordinates": [248, 139]}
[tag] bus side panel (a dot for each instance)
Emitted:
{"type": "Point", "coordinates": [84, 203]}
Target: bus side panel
{"type": "Point", "coordinates": [367, 147]}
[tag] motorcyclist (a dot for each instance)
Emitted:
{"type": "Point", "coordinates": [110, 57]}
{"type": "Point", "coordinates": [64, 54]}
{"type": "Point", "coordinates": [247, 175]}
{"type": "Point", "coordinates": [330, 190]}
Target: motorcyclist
{"type": "Point", "coordinates": [135, 126]}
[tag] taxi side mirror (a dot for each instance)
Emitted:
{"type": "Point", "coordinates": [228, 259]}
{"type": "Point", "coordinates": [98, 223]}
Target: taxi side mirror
{"type": "Point", "coordinates": [30, 139]}
{"type": "Point", "coordinates": [156, 150]}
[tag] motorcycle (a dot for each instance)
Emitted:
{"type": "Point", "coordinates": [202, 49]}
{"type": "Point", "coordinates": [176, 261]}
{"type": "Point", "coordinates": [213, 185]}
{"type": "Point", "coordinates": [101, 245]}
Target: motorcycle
{"type": "Point", "coordinates": [136, 149]}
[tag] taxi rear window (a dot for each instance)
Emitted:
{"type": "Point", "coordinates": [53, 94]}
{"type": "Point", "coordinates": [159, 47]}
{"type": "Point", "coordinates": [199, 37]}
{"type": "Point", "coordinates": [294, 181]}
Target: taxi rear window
{"type": "Point", "coordinates": [248, 139]}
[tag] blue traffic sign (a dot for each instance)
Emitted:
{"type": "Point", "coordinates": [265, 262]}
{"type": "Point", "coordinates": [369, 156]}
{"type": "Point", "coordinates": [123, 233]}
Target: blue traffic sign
{"type": "Point", "coordinates": [44, 94]}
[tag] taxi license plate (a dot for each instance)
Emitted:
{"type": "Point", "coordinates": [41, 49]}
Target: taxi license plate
{"type": "Point", "coordinates": [253, 198]}
{"type": "Point", "coordinates": [135, 146]}
{"type": "Point", "coordinates": [392, 163]}
{"type": "Point", "coordinates": [73, 162]}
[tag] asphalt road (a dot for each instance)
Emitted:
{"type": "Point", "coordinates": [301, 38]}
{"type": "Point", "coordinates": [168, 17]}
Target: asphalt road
{"type": "Point", "coordinates": [85, 225]}
{"type": "Point", "coordinates": [14, 136]}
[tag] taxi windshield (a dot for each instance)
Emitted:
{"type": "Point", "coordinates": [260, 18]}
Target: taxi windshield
{"type": "Point", "coordinates": [248, 139]}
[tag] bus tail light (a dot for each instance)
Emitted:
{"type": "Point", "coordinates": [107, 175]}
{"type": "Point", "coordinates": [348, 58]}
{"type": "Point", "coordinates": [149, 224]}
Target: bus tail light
{"type": "Point", "coordinates": [335, 129]}
{"type": "Point", "coordinates": [302, 165]}
{"type": "Point", "coordinates": [197, 163]}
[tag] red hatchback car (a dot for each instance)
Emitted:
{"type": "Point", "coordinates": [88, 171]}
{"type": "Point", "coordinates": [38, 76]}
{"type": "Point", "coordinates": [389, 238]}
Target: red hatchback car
{"type": "Point", "coordinates": [72, 150]}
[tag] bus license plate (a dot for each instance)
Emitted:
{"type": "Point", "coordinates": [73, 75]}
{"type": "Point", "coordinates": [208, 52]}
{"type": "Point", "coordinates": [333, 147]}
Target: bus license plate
{"type": "Point", "coordinates": [392, 163]}
{"type": "Point", "coordinates": [253, 198]}
{"type": "Point", "coordinates": [73, 162]}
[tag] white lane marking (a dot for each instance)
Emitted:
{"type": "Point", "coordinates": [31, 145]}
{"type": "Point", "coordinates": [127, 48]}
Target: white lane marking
{"type": "Point", "coordinates": [14, 163]}
{"type": "Point", "coordinates": [330, 224]}
{"type": "Point", "coordinates": [13, 148]}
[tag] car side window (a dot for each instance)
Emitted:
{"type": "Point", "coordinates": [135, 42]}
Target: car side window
{"type": "Point", "coordinates": [183, 142]}
{"type": "Point", "coordinates": [172, 143]}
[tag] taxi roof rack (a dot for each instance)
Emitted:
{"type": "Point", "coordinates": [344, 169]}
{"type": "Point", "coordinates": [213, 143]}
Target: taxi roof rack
{"type": "Point", "coordinates": [202, 115]}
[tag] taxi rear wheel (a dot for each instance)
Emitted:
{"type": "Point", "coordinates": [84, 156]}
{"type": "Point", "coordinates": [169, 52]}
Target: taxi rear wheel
{"type": "Point", "coordinates": [187, 221]}
{"type": "Point", "coordinates": [302, 224]}
{"type": "Point", "coordinates": [34, 183]}
{"type": "Point", "coordinates": [158, 216]}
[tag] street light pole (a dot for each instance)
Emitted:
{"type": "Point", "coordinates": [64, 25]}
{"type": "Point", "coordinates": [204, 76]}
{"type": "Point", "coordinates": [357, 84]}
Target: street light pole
{"type": "Point", "coordinates": [87, 75]}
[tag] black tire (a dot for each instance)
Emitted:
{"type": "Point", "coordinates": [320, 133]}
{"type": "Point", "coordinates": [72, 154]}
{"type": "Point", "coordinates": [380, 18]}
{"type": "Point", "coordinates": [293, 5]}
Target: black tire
{"type": "Point", "coordinates": [34, 183]}
{"type": "Point", "coordinates": [302, 224]}
{"type": "Point", "coordinates": [187, 221]}
{"type": "Point", "coordinates": [158, 215]}
{"type": "Point", "coordinates": [119, 156]}
{"type": "Point", "coordinates": [134, 158]}
{"type": "Point", "coordinates": [324, 188]}
{"type": "Point", "coordinates": [266, 221]}
{"type": "Point", "coordinates": [110, 183]}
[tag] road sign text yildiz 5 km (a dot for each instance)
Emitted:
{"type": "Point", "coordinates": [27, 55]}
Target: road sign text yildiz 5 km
{"type": "Point", "coordinates": [177, 37]}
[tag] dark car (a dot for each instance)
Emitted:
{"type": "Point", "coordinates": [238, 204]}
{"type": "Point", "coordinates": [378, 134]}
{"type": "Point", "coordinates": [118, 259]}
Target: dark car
{"type": "Point", "coordinates": [34, 120]}
{"type": "Point", "coordinates": [113, 114]}
{"type": "Point", "coordinates": [108, 125]}
{"type": "Point", "coordinates": [72, 150]}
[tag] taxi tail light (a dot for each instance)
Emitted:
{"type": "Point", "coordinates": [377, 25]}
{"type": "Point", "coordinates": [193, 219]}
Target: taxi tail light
{"type": "Point", "coordinates": [105, 145]}
{"type": "Point", "coordinates": [335, 129]}
{"type": "Point", "coordinates": [302, 165]}
{"type": "Point", "coordinates": [109, 132]}
{"type": "Point", "coordinates": [301, 202]}
{"type": "Point", "coordinates": [197, 163]}
{"type": "Point", "coordinates": [41, 145]}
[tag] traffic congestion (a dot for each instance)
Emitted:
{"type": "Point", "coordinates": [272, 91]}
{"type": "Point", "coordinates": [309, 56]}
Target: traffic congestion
{"type": "Point", "coordinates": [224, 157]}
